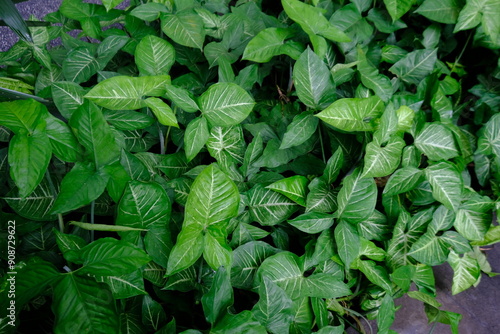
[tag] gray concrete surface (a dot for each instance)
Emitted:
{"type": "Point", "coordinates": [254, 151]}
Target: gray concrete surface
{"type": "Point", "coordinates": [479, 306]}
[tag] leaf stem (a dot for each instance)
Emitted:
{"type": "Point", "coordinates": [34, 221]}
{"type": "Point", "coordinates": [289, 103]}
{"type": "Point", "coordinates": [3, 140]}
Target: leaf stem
{"type": "Point", "coordinates": [92, 209]}
{"type": "Point", "coordinates": [321, 143]}
{"type": "Point", "coordinates": [54, 195]}
{"type": "Point", "coordinates": [162, 140]}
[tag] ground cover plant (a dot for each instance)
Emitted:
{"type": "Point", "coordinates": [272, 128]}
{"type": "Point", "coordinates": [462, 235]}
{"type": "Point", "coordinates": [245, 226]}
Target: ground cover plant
{"type": "Point", "coordinates": [245, 166]}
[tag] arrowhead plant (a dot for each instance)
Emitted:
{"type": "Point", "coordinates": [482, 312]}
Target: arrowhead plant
{"type": "Point", "coordinates": [245, 166]}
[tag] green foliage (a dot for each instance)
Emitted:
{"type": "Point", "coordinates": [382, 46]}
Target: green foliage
{"type": "Point", "coordinates": [246, 166]}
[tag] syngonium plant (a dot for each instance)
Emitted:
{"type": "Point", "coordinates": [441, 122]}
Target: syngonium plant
{"type": "Point", "coordinates": [246, 166]}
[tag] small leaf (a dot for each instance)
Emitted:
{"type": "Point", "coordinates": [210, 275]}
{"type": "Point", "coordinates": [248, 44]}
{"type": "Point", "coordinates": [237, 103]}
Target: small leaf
{"type": "Point", "coordinates": [436, 142]}
{"type": "Point", "coordinates": [398, 8]}
{"type": "Point", "coordinates": [293, 187]}
{"type": "Point", "coordinates": [354, 114]}
{"type": "Point", "coordinates": [68, 96]}
{"type": "Point", "coordinates": [383, 161]}
{"type": "Point", "coordinates": [80, 65]}
{"type": "Point", "coordinates": [182, 98]}
{"type": "Point", "coordinates": [269, 207]}
{"type": "Point", "coordinates": [403, 180]}
{"type": "Point", "coordinates": [348, 244]}
{"type": "Point", "coordinates": [357, 197]}
{"type": "Point", "coordinates": [154, 56]}
{"type": "Point", "coordinates": [446, 184]}
{"type": "Point", "coordinates": [226, 104]}
{"type": "Point", "coordinates": [195, 137]}
{"type": "Point", "coordinates": [153, 315]}
{"type": "Point", "coordinates": [466, 272]}
{"type": "Point", "coordinates": [162, 111]}
{"type": "Point", "coordinates": [442, 11]}
{"type": "Point", "coordinates": [187, 250]}
{"type": "Point", "coordinates": [266, 44]}
{"type": "Point", "coordinates": [220, 296]}
{"type": "Point", "coordinates": [415, 66]}
{"type": "Point", "coordinates": [299, 130]}
{"type": "Point", "coordinates": [312, 222]}
{"type": "Point", "coordinates": [184, 27]}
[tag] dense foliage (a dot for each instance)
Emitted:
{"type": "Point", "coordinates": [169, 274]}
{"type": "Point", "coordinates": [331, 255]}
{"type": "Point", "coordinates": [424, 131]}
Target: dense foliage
{"type": "Point", "coordinates": [246, 166]}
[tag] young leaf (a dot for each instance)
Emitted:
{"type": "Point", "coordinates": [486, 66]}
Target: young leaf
{"type": "Point", "coordinates": [188, 249]}
{"type": "Point", "coordinates": [371, 78]}
{"type": "Point", "coordinates": [299, 130]}
{"type": "Point", "coordinates": [446, 184]}
{"type": "Point", "coordinates": [269, 207]}
{"type": "Point", "coordinates": [153, 315]}
{"type": "Point", "coordinates": [429, 249]}
{"type": "Point", "coordinates": [220, 296]}
{"type": "Point", "coordinates": [474, 218]}
{"type": "Point", "coordinates": [274, 308]}
{"type": "Point", "coordinates": [357, 198]}
{"type": "Point", "coordinates": [383, 161]}
{"type": "Point", "coordinates": [82, 185]}
{"type": "Point", "coordinates": [154, 56]}
{"type": "Point", "coordinates": [80, 65]}
{"type": "Point", "coordinates": [312, 222]}
{"type": "Point", "coordinates": [466, 272]}
{"type": "Point", "coordinates": [144, 205]}
{"type": "Point", "coordinates": [184, 27]}
{"type": "Point", "coordinates": [315, 87]}
{"type": "Point", "coordinates": [436, 142]}
{"type": "Point", "coordinates": [216, 252]}
{"type": "Point", "coordinates": [68, 96]}
{"type": "Point", "coordinates": [94, 133]}
{"type": "Point", "coordinates": [121, 92]}
{"type": "Point", "coordinates": [312, 21]}
{"type": "Point", "coordinates": [415, 66]}
{"type": "Point", "coordinates": [195, 137]}
{"type": "Point", "coordinates": [29, 156]}
{"type": "Point", "coordinates": [386, 314]}
{"type": "Point", "coordinates": [354, 114]}
{"type": "Point", "coordinates": [266, 44]}
{"type": "Point", "coordinates": [182, 98]}
{"type": "Point", "coordinates": [63, 142]}
{"type": "Point", "coordinates": [442, 11]}
{"type": "Point", "coordinates": [348, 244]}
{"type": "Point", "coordinates": [226, 104]}
{"type": "Point", "coordinates": [293, 187]}
{"type": "Point", "coordinates": [162, 111]}
{"type": "Point", "coordinates": [403, 180]}
{"type": "Point", "coordinates": [398, 8]}
{"type": "Point", "coordinates": [108, 257]}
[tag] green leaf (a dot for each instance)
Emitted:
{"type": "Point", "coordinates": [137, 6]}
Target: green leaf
{"type": "Point", "coordinates": [182, 98]}
{"type": "Point", "coordinates": [357, 197]}
{"type": "Point", "coordinates": [386, 314]}
{"type": "Point", "coordinates": [187, 250]}
{"type": "Point", "coordinates": [299, 130]}
{"type": "Point", "coordinates": [33, 279]}
{"type": "Point", "coordinates": [333, 166]}
{"type": "Point", "coordinates": [415, 66]}
{"type": "Point", "coordinates": [150, 11]}
{"type": "Point", "coordinates": [474, 218]}
{"type": "Point", "coordinates": [491, 237]}
{"type": "Point", "coordinates": [312, 21]}
{"type": "Point", "coordinates": [158, 244]}
{"type": "Point", "coordinates": [109, 4]}
{"type": "Point", "coordinates": [216, 252]}
{"type": "Point", "coordinates": [312, 222]}
{"type": "Point", "coordinates": [82, 185]}
{"type": "Point", "coordinates": [436, 142]}
{"type": "Point", "coordinates": [292, 187]}
{"type": "Point", "coordinates": [429, 249]}
{"type": "Point", "coordinates": [403, 180]}
{"type": "Point", "coordinates": [68, 96]}
{"type": "Point", "coordinates": [121, 92]}
{"type": "Point", "coordinates": [153, 315]}
{"type": "Point", "coordinates": [312, 79]}
{"type": "Point", "coordinates": [466, 272]}
{"type": "Point", "coordinates": [348, 243]}
{"type": "Point", "coordinates": [108, 48]}
{"type": "Point", "coordinates": [371, 78]}
{"type": "Point", "coordinates": [108, 257]}
{"type": "Point", "coordinates": [214, 198]}
{"type": "Point", "coordinates": [63, 142]}
{"type": "Point", "coordinates": [29, 156]}
{"type": "Point", "coordinates": [446, 184]}
{"type": "Point", "coordinates": [184, 27]}
{"type": "Point", "coordinates": [195, 137]}
{"type": "Point", "coordinates": [80, 65]}
{"type": "Point", "coordinates": [154, 56]}
{"type": "Point", "coordinates": [243, 322]}
{"type": "Point", "coordinates": [144, 205]}
{"type": "Point", "coordinates": [162, 111]}
{"type": "Point", "coordinates": [274, 308]}
{"type": "Point", "coordinates": [219, 297]}
{"type": "Point", "coordinates": [353, 114]}
{"type": "Point", "coordinates": [247, 259]}
{"type": "Point", "coordinates": [82, 298]}
{"type": "Point", "coordinates": [37, 206]}
{"type": "Point", "coordinates": [321, 197]}
{"type": "Point", "coordinates": [93, 132]}
{"type": "Point", "coordinates": [398, 8]}
{"type": "Point", "coordinates": [266, 44]}
{"type": "Point", "coordinates": [226, 144]}
{"type": "Point", "coordinates": [22, 115]}
{"type": "Point", "coordinates": [375, 274]}
{"type": "Point", "coordinates": [225, 104]}
{"type": "Point", "coordinates": [383, 161]}
{"type": "Point", "coordinates": [269, 207]}
{"type": "Point", "coordinates": [105, 227]}
{"type": "Point", "coordinates": [442, 11]}
{"type": "Point", "coordinates": [127, 119]}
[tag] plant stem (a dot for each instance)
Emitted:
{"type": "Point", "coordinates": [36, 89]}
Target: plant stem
{"type": "Point", "coordinates": [54, 195]}
{"type": "Point", "coordinates": [321, 143]}
{"type": "Point", "coordinates": [162, 140]}
{"type": "Point", "coordinates": [92, 209]}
